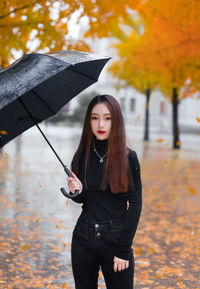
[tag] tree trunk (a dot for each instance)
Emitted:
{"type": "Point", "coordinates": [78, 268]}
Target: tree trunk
{"type": "Point", "coordinates": [146, 128]}
{"type": "Point", "coordinates": [175, 102]}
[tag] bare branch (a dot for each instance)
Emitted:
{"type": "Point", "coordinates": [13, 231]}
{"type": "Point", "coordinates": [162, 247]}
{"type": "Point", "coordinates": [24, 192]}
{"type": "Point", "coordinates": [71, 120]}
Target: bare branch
{"type": "Point", "coordinates": [18, 9]}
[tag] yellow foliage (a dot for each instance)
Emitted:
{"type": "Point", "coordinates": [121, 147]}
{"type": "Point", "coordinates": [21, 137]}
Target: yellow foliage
{"type": "Point", "coordinates": [44, 21]}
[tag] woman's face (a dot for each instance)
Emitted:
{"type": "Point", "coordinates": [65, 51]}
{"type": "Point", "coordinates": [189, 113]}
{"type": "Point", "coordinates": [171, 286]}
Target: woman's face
{"type": "Point", "coordinates": [101, 121]}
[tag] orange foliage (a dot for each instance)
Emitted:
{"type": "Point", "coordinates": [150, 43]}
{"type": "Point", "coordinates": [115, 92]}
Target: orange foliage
{"type": "Point", "coordinates": [44, 21]}
{"type": "Point", "coordinates": [157, 42]}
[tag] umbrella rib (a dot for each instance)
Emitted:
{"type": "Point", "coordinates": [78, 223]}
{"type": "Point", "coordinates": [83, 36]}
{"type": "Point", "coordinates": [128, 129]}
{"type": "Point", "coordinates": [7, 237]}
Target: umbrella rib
{"type": "Point", "coordinates": [43, 101]}
{"type": "Point", "coordinates": [86, 76]}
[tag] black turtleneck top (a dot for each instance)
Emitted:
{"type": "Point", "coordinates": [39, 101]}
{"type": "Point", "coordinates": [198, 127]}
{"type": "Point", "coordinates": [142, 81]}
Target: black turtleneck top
{"type": "Point", "coordinates": [99, 205]}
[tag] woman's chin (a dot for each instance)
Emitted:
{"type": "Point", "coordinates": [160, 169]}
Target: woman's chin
{"type": "Point", "coordinates": [101, 137]}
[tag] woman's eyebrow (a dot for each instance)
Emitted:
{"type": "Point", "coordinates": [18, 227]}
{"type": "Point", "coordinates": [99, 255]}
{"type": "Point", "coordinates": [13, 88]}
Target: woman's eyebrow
{"type": "Point", "coordinates": [98, 114]}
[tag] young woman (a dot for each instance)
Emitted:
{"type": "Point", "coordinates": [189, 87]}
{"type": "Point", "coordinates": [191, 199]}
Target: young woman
{"type": "Point", "coordinates": [107, 175]}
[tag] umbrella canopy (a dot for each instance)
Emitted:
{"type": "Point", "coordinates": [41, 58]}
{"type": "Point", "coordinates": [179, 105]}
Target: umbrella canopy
{"type": "Point", "coordinates": [37, 86]}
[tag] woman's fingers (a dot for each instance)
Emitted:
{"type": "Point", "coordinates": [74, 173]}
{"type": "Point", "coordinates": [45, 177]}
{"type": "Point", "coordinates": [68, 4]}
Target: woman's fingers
{"type": "Point", "coordinates": [123, 265]}
{"type": "Point", "coordinates": [120, 264]}
{"type": "Point", "coordinates": [78, 181]}
{"type": "Point", "coordinates": [74, 183]}
{"type": "Point", "coordinates": [74, 176]}
{"type": "Point", "coordinates": [127, 264]}
{"type": "Point", "coordinates": [115, 266]}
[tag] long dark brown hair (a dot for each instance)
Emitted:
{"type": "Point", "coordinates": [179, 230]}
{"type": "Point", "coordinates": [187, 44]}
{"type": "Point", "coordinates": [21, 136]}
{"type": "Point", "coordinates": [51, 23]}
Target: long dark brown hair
{"type": "Point", "coordinates": [117, 171]}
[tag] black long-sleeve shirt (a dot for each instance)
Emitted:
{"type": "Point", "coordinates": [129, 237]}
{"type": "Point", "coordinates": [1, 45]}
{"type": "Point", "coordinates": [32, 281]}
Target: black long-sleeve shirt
{"type": "Point", "coordinates": [99, 205]}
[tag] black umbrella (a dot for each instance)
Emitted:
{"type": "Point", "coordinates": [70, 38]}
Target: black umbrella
{"type": "Point", "coordinates": [37, 86]}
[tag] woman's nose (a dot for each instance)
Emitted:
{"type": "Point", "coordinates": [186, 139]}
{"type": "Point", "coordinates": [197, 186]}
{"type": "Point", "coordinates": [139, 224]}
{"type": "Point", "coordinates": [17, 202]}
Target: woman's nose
{"type": "Point", "coordinates": [101, 123]}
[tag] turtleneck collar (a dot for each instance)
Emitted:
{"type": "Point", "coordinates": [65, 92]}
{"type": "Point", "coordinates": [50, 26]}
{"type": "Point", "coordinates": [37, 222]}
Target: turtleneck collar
{"type": "Point", "coordinates": [101, 145]}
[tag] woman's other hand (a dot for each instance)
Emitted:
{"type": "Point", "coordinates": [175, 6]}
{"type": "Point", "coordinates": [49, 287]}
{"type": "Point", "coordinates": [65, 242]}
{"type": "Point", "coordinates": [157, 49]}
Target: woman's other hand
{"type": "Point", "coordinates": [120, 264]}
{"type": "Point", "coordinates": [74, 184]}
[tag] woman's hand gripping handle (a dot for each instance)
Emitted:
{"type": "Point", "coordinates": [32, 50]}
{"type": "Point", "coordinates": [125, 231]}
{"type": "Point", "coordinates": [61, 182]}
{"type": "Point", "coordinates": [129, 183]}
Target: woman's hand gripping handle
{"type": "Point", "coordinates": [74, 185]}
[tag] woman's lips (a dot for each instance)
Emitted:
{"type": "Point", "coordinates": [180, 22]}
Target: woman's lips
{"type": "Point", "coordinates": [101, 131]}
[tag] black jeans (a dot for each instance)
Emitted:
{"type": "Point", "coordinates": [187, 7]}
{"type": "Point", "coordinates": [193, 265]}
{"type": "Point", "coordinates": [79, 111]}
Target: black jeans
{"type": "Point", "coordinates": [94, 246]}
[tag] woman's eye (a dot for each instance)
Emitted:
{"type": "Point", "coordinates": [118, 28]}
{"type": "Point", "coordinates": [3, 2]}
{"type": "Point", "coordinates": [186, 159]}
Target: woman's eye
{"type": "Point", "coordinates": [94, 117]}
{"type": "Point", "coordinates": [108, 118]}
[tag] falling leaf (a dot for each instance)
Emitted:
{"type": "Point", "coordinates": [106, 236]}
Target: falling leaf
{"type": "Point", "coordinates": [64, 285]}
{"type": "Point", "coordinates": [160, 140]}
{"type": "Point", "coordinates": [3, 132]}
{"type": "Point", "coordinates": [198, 119]}
{"type": "Point", "coordinates": [67, 203]}
{"type": "Point", "coordinates": [178, 143]}
{"type": "Point", "coordinates": [165, 162]}
{"type": "Point", "coordinates": [37, 220]}
{"type": "Point", "coordinates": [37, 245]}
{"type": "Point", "coordinates": [6, 154]}
{"type": "Point", "coordinates": [139, 116]}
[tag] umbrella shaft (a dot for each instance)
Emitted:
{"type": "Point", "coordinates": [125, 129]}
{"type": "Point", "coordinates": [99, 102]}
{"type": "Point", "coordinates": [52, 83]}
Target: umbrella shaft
{"type": "Point", "coordinates": [50, 145]}
{"type": "Point", "coordinates": [64, 166]}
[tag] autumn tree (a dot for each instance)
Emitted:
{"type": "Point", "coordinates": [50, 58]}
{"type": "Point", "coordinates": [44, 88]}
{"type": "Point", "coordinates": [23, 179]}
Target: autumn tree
{"type": "Point", "coordinates": [43, 21]}
{"type": "Point", "coordinates": [129, 69]}
{"type": "Point", "coordinates": [167, 47]}
{"type": "Point", "coordinates": [172, 37]}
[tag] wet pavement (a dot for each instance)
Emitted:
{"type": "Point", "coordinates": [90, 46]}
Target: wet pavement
{"type": "Point", "coordinates": [36, 220]}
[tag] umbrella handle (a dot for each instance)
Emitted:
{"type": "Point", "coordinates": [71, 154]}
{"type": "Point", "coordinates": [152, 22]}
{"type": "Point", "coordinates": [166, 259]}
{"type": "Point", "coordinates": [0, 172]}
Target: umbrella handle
{"type": "Point", "coordinates": [69, 195]}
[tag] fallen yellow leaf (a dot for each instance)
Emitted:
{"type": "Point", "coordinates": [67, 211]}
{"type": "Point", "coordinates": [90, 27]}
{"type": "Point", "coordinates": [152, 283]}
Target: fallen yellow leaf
{"type": "Point", "coordinates": [25, 247]}
{"type": "Point", "coordinates": [192, 191]}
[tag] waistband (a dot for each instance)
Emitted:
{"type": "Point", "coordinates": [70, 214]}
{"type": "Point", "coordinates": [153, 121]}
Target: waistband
{"type": "Point", "coordinates": [114, 225]}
